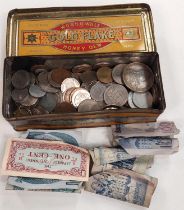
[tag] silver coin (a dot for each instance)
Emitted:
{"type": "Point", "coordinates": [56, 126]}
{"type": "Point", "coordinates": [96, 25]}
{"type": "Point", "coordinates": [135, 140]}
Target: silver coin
{"type": "Point", "coordinates": [69, 83]}
{"type": "Point", "coordinates": [37, 69]}
{"type": "Point", "coordinates": [123, 60]}
{"type": "Point", "coordinates": [88, 76]}
{"type": "Point", "coordinates": [90, 105]}
{"type": "Point", "coordinates": [48, 102]}
{"type": "Point", "coordinates": [82, 68]}
{"type": "Point", "coordinates": [111, 107]}
{"type": "Point", "coordinates": [21, 79]}
{"type": "Point", "coordinates": [116, 95]}
{"type": "Point", "coordinates": [140, 59]}
{"type": "Point", "coordinates": [97, 91]}
{"type": "Point", "coordinates": [19, 95]}
{"type": "Point", "coordinates": [79, 95]}
{"type": "Point", "coordinates": [102, 64]}
{"type": "Point", "coordinates": [117, 73]}
{"type": "Point", "coordinates": [130, 100]}
{"type": "Point", "coordinates": [143, 100]}
{"type": "Point", "coordinates": [138, 77]}
{"type": "Point", "coordinates": [29, 101]}
{"type": "Point", "coordinates": [88, 85]}
{"type": "Point", "coordinates": [36, 91]}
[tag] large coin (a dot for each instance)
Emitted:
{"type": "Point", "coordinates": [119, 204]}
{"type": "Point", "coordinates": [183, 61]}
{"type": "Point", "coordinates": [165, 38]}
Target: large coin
{"type": "Point", "coordinates": [29, 101]}
{"type": "Point", "coordinates": [82, 68]}
{"type": "Point", "coordinates": [97, 91]}
{"type": "Point", "coordinates": [79, 95]}
{"type": "Point", "coordinates": [143, 100]}
{"type": "Point", "coordinates": [138, 77]}
{"type": "Point", "coordinates": [88, 76]}
{"type": "Point", "coordinates": [36, 91]}
{"type": "Point", "coordinates": [104, 74]}
{"type": "Point", "coordinates": [48, 102]}
{"type": "Point", "coordinates": [21, 79]}
{"type": "Point", "coordinates": [116, 95]}
{"type": "Point", "coordinates": [130, 100]}
{"type": "Point", "coordinates": [69, 83]}
{"type": "Point", "coordinates": [90, 105]}
{"type": "Point", "coordinates": [64, 108]}
{"type": "Point", "coordinates": [117, 73]}
{"type": "Point", "coordinates": [19, 95]}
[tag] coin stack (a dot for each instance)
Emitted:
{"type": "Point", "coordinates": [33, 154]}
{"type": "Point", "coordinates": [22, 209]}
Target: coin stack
{"type": "Point", "coordinates": [82, 88]}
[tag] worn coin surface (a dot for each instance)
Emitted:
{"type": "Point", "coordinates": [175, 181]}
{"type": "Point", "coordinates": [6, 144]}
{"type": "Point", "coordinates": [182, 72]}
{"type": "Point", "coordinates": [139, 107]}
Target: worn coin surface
{"type": "Point", "coordinates": [116, 94]}
{"type": "Point", "coordinates": [104, 74]}
{"type": "Point", "coordinates": [19, 95]}
{"type": "Point", "coordinates": [69, 83]}
{"type": "Point", "coordinates": [88, 85]}
{"type": "Point", "coordinates": [88, 76]}
{"type": "Point", "coordinates": [58, 75]}
{"type": "Point", "coordinates": [138, 77]}
{"type": "Point", "coordinates": [90, 105]}
{"type": "Point", "coordinates": [130, 100]}
{"type": "Point", "coordinates": [117, 73]}
{"type": "Point", "coordinates": [29, 101]}
{"type": "Point", "coordinates": [143, 100]}
{"type": "Point", "coordinates": [79, 95]}
{"type": "Point", "coordinates": [48, 102]}
{"type": "Point", "coordinates": [97, 91]}
{"type": "Point", "coordinates": [64, 108]}
{"type": "Point", "coordinates": [21, 79]}
{"type": "Point", "coordinates": [36, 91]}
{"type": "Point", "coordinates": [82, 68]}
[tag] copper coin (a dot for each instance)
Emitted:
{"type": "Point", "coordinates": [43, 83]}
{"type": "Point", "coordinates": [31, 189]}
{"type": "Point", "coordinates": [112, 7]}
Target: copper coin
{"type": "Point", "coordinates": [21, 79]}
{"type": "Point", "coordinates": [67, 94]}
{"type": "Point", "coordinates": [79, 95]}
{"type": "Point", "coordinates": [90, 105]}
{"type": "Point", "coordinates": [97, 91]}
{"type": "Point", "coordinates": [143, 100]}
{"type": "Point", "coordinates": [130, 100]}
{"type": "Point", "coordinates": [36, 69]}
{"type": "Point", "coordinates": [82, 68]}
{"type": "Point", "coordinates": [19, 95]}
{"type": "Point", "coordinates": [104, 74]}
{"type": "Point", "coordinates": [117, 73]}
{"type": "Point", "coordinates": [64, 108]}
{"type": "Point", "coordinates": [58, 75]}
{"type": "Point", "coordinates": [29, 101]}
{"type": "Point", "coordinates": [69, 83]}
{"type": "Point", "coordinates": [138, 77]}
{"type": "Point", "coordinates": [88, 76]}
{"type": "Point", "coordinates": [36, 91]}
{"type": "Point", "coordinates": [38, 110]}
{"type": "Point", "coordinates": [48, 102]}
{"type": "Point", "coordinates": [116, 95]}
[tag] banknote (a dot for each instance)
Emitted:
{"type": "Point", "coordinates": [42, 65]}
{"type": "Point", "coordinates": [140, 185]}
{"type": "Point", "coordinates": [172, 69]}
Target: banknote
{"type": "Point", "coordinates": [123, 184]}
{"type": "Point", "coordinates": [148, 145]}
{"type": "Point", "coordinates": [45, 159]}
{"type": "Point", "coordinates": [38, 183]}
{"type": "Point", "coordinates": [138, 164]}
{"type": "Point", "coordinates": [167, 128]}
{"type": "Point", "coordinates": [11, 187]}
{"type": "Point", "coordinates": [104, 155]}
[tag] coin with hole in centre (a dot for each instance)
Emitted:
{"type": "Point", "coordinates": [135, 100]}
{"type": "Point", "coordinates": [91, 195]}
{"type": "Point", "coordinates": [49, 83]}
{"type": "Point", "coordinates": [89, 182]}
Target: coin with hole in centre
{"type": "Point", "coordinates": [104, 75]}
{"type": "Point", "coordinates": [21, 79]}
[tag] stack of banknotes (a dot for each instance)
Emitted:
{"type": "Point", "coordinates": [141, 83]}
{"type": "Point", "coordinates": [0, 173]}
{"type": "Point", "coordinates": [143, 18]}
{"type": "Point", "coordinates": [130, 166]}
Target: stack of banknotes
{"type": "Point", "coordinates": [54, 160]}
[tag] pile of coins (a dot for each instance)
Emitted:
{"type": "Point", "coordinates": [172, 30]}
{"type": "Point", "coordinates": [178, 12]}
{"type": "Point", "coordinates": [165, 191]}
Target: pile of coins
{"type": "Point", "coordinates": [82, 88]}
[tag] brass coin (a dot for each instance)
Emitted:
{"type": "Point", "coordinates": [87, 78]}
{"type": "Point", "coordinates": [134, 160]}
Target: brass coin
{"type": "Point", "coordinates": [143, 100]}
{"type": "Point", "coordinates": [138, 77]}
{"type": "Point", "coordinates": [104, 74]}
{"type": "Point", "coordinates": [88, 76]}
{"type": "Point", "coordinates": [82, 68]}
{"type": "Point", "coordinates": [64, 108]}
{"type": "Point", "coordinates": [21, 79]}
{"type": "Point", "coordinates": [19, 95]}
{"type": "Point", "coordinates": [97, 91]}
{"type": "Point", "coordinates": [117, 73]}
{"type": "Point", "coordinates": [59, 75]}
{"type": "Point", "coordinates": [90, 105]}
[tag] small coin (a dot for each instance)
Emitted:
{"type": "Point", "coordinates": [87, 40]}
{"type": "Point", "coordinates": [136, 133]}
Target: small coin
{"type": "Point", "coordinates": [117, 73]}
{"type": "Point", "coordinates": [88, 76]}
{"type": "Point", "coordinates": [38, 110]}
{"type": "Point", "coordinates": [36, 69]}
{"type": "Point", "coordinates": [67, 94]}
{"type": "Point", "coordinates": [116, 95]}
{"type": "Point", "coordinates": [97, 91]}
{"type": "Point", "coordinates": [79, 95]}
{"type": "Point", "coordinates": [90, 105]}
{"type": "Point", "coordinates": [64, 108]}
{"type": "Point", "coordinates": [29, 101]}
{"type": "Point", "coordinates": [48, 102]}
{"type": "Point", "coordinates": [104, 74]}
{"type": "Point", "coordinates": [57, 76]}
{"type": "Point", "coordinates": [69, 83]}
{"type": "Point", "coordinates": [130, 100]}
{"type": "Point", "coordinates": [36, 91]}
{"type": "Point", "coordinates": [82, 68]}
{"type": "Point", "coordinates": [88, 85]}
{"type": "Point", "coordinates": [21, 79]}
{"type": "Point", "coordinates": [138, 77]}
{"type": "Point", "coordinates": [111, 107]}
{"type": "Point", "coordinates": [19, 95]}
{"type": "Point", "coordinates": [143, 100]}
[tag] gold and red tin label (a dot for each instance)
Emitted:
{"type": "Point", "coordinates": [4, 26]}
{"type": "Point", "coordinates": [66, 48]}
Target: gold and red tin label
{"type": "Point", "coordinates": [87, 35]}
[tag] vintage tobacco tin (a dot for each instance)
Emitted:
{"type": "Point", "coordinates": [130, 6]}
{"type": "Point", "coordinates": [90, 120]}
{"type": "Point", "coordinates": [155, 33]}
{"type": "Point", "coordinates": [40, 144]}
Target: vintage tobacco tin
{"type": "Point", "coordinates": [81, 35]}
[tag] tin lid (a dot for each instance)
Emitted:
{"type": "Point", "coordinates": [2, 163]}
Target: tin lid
{"type": "Point", "coordinates": [74, 30]}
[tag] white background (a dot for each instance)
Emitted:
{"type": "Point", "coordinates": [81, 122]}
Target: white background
{"type": "Point", "coordinates": [169, 31]}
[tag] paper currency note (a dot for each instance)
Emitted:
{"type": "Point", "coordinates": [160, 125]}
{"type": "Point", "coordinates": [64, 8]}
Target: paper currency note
{"type": "Point", "coordinates": [145, 129]}
{"type": "Point", "coordinates": [138, 164]}
{"type": "Point", "coordinates": [38, 183]}
{"type": "Point", "coordinates": [104, 155]}
{"type": "Point", "coordinates": [148, 145]}
{"type": "Point", "coordinates": [45, 159]}
{"type": "Point", "coordinates": [123, 184]}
